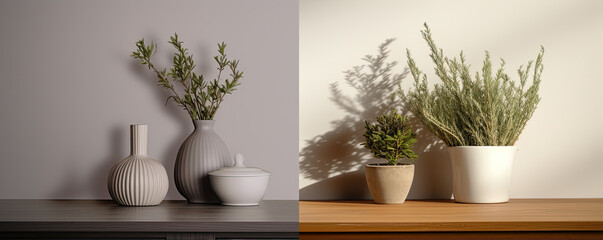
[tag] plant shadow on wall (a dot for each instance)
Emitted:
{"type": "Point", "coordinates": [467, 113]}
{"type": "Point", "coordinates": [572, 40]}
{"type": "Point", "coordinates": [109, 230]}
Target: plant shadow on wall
{"type": "Point", "coordinates": [168, 159]}
{"type": "Point", "coordinates": [334, 161]}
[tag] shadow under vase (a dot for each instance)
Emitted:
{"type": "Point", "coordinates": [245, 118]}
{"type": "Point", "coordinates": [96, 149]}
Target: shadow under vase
{"type": "Point", "coordinates": [432, 180]}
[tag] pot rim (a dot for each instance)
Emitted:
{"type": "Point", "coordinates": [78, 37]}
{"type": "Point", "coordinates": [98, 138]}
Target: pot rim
{"type": "Point", "coordinates": [378, 165]}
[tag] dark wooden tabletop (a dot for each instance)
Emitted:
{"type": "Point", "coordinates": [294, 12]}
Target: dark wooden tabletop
{"type": "Point", "coordinates": [169, 216]}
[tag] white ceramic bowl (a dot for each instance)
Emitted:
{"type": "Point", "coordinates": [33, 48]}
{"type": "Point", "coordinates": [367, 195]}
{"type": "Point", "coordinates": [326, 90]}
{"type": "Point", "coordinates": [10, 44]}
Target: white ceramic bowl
{"type": "Point", "coordinates": [239, 185]}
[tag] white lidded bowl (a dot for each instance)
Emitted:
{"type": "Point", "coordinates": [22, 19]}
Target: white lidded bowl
{"type": "Point", "coordinates": [239, 185]}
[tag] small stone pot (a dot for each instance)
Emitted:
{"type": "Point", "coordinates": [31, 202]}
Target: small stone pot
{"type": "Point", "coordinates": [389, 184]}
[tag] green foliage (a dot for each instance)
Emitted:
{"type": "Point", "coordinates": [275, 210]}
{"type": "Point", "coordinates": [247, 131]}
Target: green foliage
{"type": "Point", "coordinates": [485, 110]}
{"type": "Point", "coordinates": [390, 138]}
{"type": "Point", "coordinates": [201, 98]}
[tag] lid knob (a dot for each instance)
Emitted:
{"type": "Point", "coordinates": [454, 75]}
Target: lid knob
{"type": "Point", "coordinates": [239, 160]}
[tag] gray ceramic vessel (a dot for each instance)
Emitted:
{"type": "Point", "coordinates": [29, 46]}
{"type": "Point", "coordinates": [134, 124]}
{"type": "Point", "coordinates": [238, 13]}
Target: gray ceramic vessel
{"type": "Point", "coordinates": [202, 152]}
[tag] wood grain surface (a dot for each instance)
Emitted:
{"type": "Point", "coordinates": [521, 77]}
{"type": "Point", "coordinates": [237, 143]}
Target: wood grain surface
{"type": "Point", "coordinates": [170, 216]}
{"type": "Point", "coordinates": [453, 235]}
{"type": "Point", "coordinates": [447, 216]}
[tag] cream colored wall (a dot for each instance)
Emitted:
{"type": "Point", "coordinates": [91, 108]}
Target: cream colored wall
{"type": "Point", "coordinates": [561, 149]}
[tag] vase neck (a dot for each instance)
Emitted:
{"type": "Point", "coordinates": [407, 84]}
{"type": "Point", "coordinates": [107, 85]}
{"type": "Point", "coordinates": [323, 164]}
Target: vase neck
{"type": "Point", "coordinates": [138, 139]}
{"type": "Point", "coordinates": [204, 124]}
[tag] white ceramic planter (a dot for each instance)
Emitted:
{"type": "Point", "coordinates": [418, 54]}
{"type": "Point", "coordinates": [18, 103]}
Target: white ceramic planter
{"type": "Point", "coordinates": [481, 174]}
{"type": "Point", "coordinates": [138, 180]}
{"type": "Point", "coordinates": [239, 185]}
{"type": "Point", "coordinates": [203, 151]}
{"type": "Point", "coordinates": [389, 184]}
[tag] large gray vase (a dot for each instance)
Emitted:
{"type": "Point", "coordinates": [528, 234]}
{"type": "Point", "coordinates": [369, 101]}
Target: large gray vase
{"type": "Point", "coordinates": [202, 152]}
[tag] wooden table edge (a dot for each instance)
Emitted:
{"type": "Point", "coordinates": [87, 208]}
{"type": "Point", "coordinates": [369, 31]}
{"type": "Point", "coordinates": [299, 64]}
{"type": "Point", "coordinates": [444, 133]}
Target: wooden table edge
{"type": "Point", "coordinates": [451, 227]}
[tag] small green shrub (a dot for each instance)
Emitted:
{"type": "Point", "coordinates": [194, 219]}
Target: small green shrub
{"type": "Point", "coordinates": [390, 138]}
{"type": "Point", "coordinates": [485, 110]}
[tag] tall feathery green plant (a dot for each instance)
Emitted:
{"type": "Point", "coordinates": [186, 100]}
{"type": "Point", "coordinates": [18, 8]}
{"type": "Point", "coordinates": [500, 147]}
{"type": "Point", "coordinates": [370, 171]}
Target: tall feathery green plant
{"type": "Point", "coordinates": [201, 98]}
{"type": "Point", "coordinates": [487, 109]}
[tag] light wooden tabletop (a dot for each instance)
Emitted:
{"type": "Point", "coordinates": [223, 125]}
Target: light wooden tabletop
{"type": "Point", "coordinates": [445, 215]}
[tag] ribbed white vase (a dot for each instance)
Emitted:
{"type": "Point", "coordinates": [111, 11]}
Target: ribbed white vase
{"type": "Point", "coordinates": [138, 180]}
{"type": "Point", "coordinates": [202, 152]}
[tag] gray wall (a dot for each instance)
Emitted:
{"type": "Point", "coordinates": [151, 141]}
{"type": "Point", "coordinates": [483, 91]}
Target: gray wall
{"type": "Point", "coordinates": [69, 89]}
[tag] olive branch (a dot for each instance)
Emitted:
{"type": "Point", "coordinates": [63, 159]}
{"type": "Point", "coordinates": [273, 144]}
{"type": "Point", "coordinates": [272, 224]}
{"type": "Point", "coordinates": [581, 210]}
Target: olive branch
{"type": "Point", "coordinates": [200, 98]}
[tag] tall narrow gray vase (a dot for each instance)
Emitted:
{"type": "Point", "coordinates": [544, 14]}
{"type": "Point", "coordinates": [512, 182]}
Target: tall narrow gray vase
{"type": "Point", "coordinates": [202, 152]}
